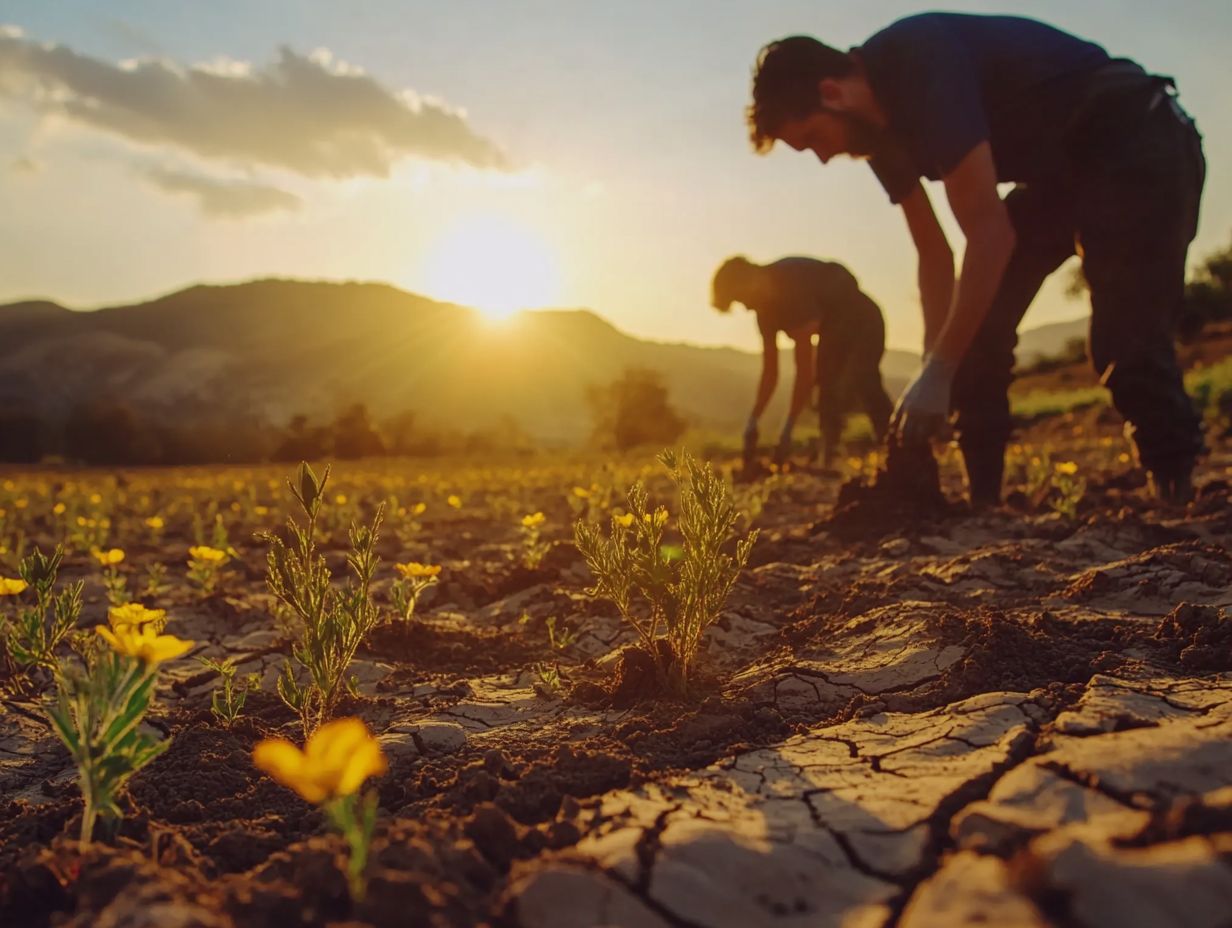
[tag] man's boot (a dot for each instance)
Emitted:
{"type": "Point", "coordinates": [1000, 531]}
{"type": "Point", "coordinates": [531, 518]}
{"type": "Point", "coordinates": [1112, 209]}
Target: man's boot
{"type": "Point", "coordinates": [1172, 482]}
{"type": "Point", "coordinates": [985, 467]}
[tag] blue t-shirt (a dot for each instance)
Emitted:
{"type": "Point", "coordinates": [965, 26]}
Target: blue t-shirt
{"type": "Point", "coordinates": [948, 81]}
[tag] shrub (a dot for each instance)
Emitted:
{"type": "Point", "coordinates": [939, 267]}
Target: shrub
{"type": "Point", "coordinates": [670, 594]}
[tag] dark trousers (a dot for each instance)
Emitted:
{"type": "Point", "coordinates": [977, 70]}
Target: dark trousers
{"type": "Point", "coordinates": [1128, 204]}
{"type": "Point", "coordinates": [849, 375]}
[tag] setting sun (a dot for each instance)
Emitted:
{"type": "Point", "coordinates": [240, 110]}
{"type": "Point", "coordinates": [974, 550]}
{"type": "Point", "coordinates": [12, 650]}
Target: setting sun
{"type": "Point", "coordinates": [492, 263]}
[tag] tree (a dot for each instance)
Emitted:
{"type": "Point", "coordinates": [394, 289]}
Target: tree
{"type": "Point", "coordinates": [303, 442]}
{"type": "Point", "coordinates": [354, 434]}
{"type": "Point", "coordinates": [633, 410]}
{"type": "Point", "coordinates": [107, 432]}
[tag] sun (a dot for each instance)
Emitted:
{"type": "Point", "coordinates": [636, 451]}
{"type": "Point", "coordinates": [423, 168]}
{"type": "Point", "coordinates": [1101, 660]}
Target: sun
{"type": "Point", "coordinates": [494, 264]}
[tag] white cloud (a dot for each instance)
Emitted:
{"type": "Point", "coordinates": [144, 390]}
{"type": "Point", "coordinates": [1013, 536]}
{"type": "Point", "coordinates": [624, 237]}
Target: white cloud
{"type": "Point", "coordinates": [223, 199]}
{"type": "Point", "coordinates": [313, 115]}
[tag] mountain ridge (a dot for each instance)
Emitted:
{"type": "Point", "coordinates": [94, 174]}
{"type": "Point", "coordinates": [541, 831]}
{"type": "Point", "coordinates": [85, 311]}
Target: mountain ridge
{"type": "Point", "coordinates": [277, 347]}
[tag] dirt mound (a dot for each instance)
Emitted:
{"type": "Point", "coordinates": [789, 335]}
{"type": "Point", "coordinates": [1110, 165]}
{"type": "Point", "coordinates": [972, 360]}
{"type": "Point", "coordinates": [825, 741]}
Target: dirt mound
{"type": "Point", "coordinates": [904, 493]}
{"type": "Point", "coordinates": [1197, 637]}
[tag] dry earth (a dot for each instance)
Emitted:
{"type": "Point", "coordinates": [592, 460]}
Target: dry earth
{"type": "Point", "coordinates": [1001, 718]}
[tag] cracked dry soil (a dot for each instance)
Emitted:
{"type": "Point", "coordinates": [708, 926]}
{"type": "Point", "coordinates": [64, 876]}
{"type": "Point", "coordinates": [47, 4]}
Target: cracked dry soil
{"type": "Point", "coordinates": [1001, 718]}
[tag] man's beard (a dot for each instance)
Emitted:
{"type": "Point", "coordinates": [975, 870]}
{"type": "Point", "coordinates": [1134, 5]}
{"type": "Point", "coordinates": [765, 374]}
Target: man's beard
{"type": "Point", "coordinates": [864, 138]}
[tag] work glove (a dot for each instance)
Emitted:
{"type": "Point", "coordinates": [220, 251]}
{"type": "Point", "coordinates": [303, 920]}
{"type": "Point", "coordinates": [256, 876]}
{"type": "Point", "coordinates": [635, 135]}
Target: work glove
{"type": "Point", "coordinates": [925, 404]}
{"type": "Point", "coordinates": [783, 448]}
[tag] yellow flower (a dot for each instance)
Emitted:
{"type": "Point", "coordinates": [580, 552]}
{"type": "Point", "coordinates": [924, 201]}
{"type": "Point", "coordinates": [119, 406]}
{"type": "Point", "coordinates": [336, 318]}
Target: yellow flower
{"type": "Point", "coordinates": [625, 520]}
{"type": "Point", "coordinates": [534, 520]}
{"type": "Point", "coordinates": [261, 510]}
{"type": "Point", "coordinates": [107, 558]}
{"type": "Point", "coordinates": [95, 498]}
{"type": "Point", "coordinates": [11, 587]}
{"type": "Point", "coordinates": [134, 615]}
{"type": "Point", "coordinates": [337, 759]}
{"type": "Point", "coordinates": [206, 554]}
{"type": "Point", "coordinates": [581, 492]}
{"type": "Point", "coordinates": [419, 508]}
{"type": "Point", "coordinates": [58, 509]}
{"type": "Point", "coordinates": [144, 643]}
{"type": "Point", "coordinates": [155, 522]}
{"type": "Point", "coordinates": [340, 499]}
{"type": "Point", "coordinates": [1069, 468]}
{"type": "Point", "coordinates": [454, 500]}
{"type": "Point", "coordinates": [413, 570]}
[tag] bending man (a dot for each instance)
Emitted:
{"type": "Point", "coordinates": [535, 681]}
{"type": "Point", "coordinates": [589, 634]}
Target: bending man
{"type": "Point", "coordinates": [1106, 164]}
{"type": "Point", "coordinates": [805, 297]}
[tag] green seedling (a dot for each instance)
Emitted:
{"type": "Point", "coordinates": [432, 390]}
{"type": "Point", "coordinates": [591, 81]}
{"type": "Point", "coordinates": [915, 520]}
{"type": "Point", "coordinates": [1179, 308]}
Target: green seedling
{"type": "Point", "coordinates": [670, 600]}
{"type": "Point", "coordinates": [331, 622]}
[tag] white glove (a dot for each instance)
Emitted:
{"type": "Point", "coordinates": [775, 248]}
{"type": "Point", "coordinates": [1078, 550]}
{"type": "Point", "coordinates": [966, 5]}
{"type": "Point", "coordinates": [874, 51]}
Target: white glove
{"type": "Point", "coordinates": [925, 404]}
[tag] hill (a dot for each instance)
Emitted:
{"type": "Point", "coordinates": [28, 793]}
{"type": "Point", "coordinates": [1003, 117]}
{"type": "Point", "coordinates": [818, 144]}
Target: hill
{"type": "Point", "coordinates": [272, 349]}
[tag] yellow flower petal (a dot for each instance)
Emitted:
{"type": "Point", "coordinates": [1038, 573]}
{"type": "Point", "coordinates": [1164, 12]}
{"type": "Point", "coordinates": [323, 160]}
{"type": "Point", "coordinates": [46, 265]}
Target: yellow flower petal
{"type": "Point", "coordinates": [413, 570]}
{"type": "Point", "coordinates": [207, 554]}
{"type": "Point", "coordinates": [144, 643]}
{"type": "Point", "coordinates": [11, 587]}
{"type": "Point", "coordinates": [286, 764]}
{"type": "Point", "coordinates": [134, 614]}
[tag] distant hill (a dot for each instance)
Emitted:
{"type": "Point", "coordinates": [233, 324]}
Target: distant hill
{"type": "Point", "coordinates": [271, 349]}
{"type": "Point", "coordinates": [1047, 341]}
{"type": "Point", "coordinates": [276, 348]}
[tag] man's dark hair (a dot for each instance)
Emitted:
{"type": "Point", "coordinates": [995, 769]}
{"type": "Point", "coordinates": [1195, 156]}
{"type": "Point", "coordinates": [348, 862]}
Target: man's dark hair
{"type": "Point", "coordinates": [785, 83]}
{"type": "Point", "coordinates": [728, 283]}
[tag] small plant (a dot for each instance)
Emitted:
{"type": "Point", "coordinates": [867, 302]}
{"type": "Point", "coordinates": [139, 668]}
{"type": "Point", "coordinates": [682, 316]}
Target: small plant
{"type": "Point", "coordinates": [330, 622]}
{"type": "Point", "coordinates": [113, 580]}
{"type": "Point", "coordinates": [328, 772]}
{"type": "Point", "coordinates": [33, 633]}
{"type": "Point", "coordinates": [670, 601]}
{"type": "Point", "coordinates": [227, 701]}
{"type": "Point", "coordinates": [590, 503]}
{"type": "Point", "coordinates": [99, 709]}
{"type": "Point", "coordinates": [205, 563]}
{"type": "Point", "coordinates": [533, 546]}
{"type": "Point", "coordinates": [548, 681]}
{"type": "Point", "coordinates": [1068, 489]}
{"type": "Point", "coordinates": [154, 527]}
{"type": "Point", "coordinates": [413, 579]}
{"type": "Point", "coordinates": [560, 639]}
{"type": "Point", "coordinates": [155, 581]}
{"type": "Point", "coordinates": [407, 525]}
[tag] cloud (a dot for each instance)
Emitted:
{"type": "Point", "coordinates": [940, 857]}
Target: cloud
{"type": "Point", "coordinates": [24, 164]}
{"type": "Point", "coordinates": [223, 199]}
{"type": "Point", "coordinates": [309, 114]}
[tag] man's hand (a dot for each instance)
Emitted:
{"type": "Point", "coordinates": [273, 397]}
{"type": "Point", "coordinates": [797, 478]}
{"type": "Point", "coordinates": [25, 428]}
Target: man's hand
{"type": "Point", "coordinates": [924, 405]}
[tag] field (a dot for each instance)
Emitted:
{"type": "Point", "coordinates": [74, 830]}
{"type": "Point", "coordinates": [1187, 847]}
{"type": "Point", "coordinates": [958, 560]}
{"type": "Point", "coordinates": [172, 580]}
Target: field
{"type": "Point", "coordinates": [1012, 717]}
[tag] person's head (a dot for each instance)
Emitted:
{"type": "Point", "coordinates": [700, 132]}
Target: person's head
{"type": "Point", "coordinates": [813, 97]}
{"type": "Point", "coordinates": [734, 282]}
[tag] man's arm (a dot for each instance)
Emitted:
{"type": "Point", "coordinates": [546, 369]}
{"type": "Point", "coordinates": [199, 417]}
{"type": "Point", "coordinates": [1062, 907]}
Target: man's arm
{"type": "Point", "coordinates": [936, 263]}
{"type": "Point", "coordinates": [800, 392]}
{"type": "Point", "coordinates": [769, 374]}
{"type": "Point", "coordinates": [972, 191]}
{"type": "Point", "coordinates": [804, 375]}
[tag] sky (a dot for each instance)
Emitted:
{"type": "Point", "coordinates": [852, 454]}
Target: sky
{"type": "Point", "coordinates": [541, 153]}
